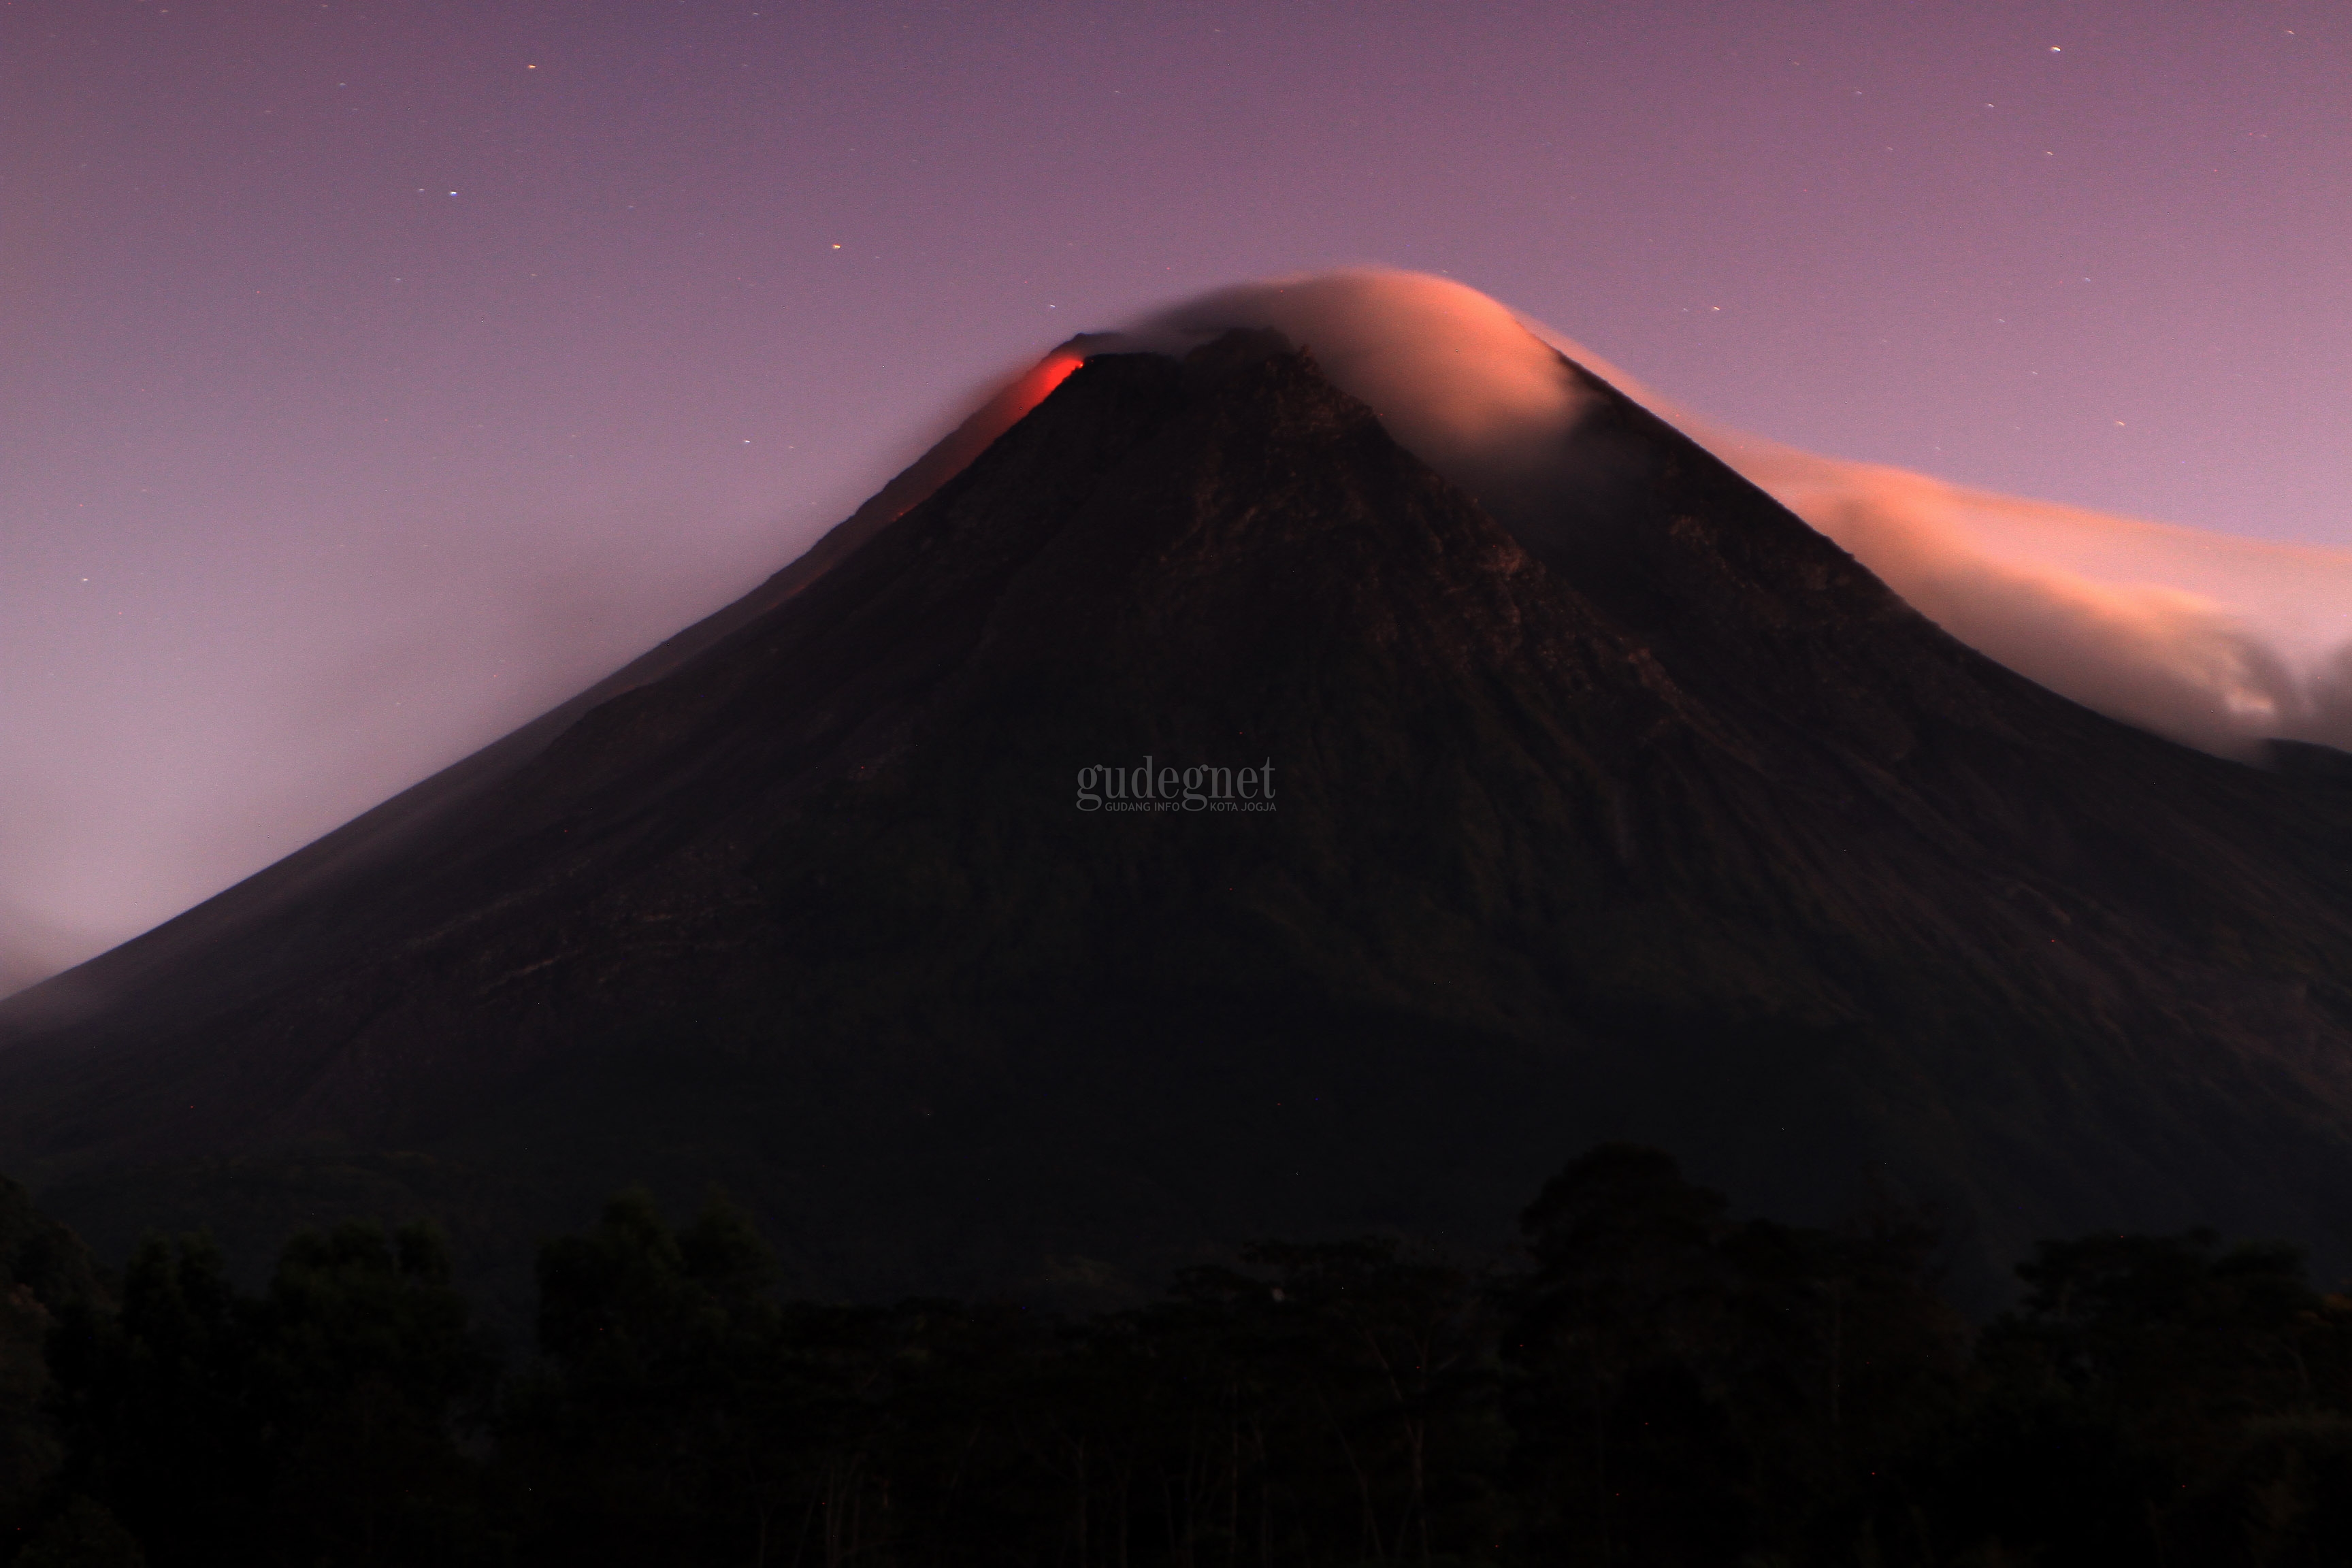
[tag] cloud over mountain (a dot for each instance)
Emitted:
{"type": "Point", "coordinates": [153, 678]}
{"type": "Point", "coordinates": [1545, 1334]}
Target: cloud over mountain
{"type": "Point", "coordinates": [2214, 640]}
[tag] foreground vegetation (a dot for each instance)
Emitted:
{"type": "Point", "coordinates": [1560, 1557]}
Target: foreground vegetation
{"type": "Point", "coordinates": [1652, 1382]}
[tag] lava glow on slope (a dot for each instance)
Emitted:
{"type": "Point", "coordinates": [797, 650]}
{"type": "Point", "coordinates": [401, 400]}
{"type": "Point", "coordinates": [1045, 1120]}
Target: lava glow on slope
{"type": "Point", "coordinates": [1004, 406]}
{"type": "Point", "coordinates": [1051, 371]}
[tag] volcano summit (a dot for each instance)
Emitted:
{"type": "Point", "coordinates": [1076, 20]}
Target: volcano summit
{"type": "Point", "coordinates": [1614, 801]}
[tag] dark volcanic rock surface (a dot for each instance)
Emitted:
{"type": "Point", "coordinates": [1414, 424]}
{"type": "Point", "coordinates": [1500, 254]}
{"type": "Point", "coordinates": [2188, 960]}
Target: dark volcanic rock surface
{"type": "Point", "coordinates": [1684, 830]}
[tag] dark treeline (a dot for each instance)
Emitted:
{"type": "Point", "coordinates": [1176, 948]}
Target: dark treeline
{"type": "Point", "coordinates": [1651, 1383]}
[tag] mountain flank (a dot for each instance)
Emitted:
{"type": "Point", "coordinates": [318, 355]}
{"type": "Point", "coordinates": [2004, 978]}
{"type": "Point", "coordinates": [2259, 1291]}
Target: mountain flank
{"type": "Point", "coordinates": [1658, 819]}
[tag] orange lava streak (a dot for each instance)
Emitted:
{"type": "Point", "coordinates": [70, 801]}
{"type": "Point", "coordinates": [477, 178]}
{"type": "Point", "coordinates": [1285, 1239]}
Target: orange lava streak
{"type": "Point", "coordinates": [1006, 408]}
{"type": "Point", "coordinates": [1039, 384]}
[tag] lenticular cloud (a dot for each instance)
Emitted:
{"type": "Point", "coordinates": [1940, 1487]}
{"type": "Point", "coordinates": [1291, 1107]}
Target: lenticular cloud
{"type": "Point", "coordinates": [2210, 639]}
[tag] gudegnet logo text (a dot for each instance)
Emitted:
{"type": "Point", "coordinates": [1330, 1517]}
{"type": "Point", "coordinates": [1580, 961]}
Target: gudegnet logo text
{"type": "Point", "coordinates": [1151, 785]}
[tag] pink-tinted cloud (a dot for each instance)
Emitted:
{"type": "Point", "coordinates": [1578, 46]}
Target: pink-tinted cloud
{"type": "Point", "coordinates": [2211, 639]}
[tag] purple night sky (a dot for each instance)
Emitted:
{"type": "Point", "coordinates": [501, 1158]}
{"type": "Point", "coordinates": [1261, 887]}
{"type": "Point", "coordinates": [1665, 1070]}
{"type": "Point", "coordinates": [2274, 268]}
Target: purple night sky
{"type": "Point", "coordinates": [376, 375]}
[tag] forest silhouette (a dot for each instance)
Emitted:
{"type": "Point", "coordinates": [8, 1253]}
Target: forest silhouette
{"type": "Point", "coordinates": [1647, 1380]}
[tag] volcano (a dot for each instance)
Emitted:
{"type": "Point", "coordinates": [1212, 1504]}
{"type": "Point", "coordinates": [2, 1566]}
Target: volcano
{"type": "Point", "coordinates": [1424, 851]}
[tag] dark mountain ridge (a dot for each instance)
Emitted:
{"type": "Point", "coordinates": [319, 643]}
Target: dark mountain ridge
{"type": "Point", "coordinates": [1661, 820]}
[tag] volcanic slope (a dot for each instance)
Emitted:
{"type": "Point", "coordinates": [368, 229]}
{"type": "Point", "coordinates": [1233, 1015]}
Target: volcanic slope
{"type": "Point", "coordinates": [1684, 830]}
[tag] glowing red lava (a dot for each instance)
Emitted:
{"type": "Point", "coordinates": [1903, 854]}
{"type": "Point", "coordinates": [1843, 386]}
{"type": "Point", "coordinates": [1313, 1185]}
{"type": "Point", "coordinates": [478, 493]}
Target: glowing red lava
{"type": "Point", "coordinates": [1005, 408]}
{"type": "Point", "coordinates": [1039, 384]}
